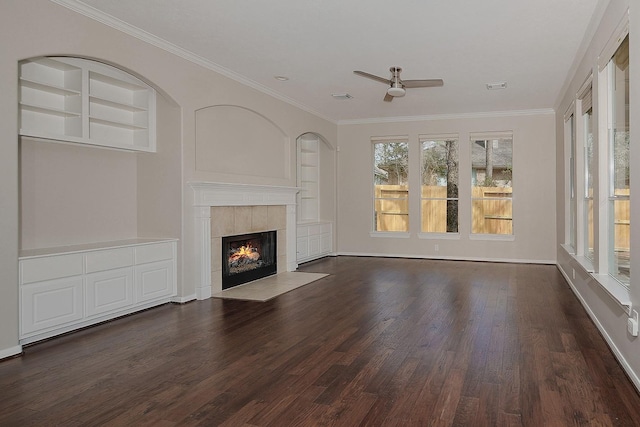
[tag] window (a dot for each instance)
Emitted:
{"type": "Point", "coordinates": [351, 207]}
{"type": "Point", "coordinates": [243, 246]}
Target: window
{"type": "Point", "coordinates": [570, 132]}
{"type": "Point", "coordinates": [618, 147]}
{"type": "Point", "coordinates": [439, 200]}
{"type": "Point", "coordinates": [391, 189]}
{"type": "Point", "coordinates": [588, 147]}
{"type": "Point", "coordinates": [491, 181]}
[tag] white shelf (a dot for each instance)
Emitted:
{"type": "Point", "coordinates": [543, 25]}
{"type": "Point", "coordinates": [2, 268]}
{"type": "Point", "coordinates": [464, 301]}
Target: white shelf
{"type": "Point", "coordinates": [308, 179]}
{"type": "Point", "coordinates": [88, 102]}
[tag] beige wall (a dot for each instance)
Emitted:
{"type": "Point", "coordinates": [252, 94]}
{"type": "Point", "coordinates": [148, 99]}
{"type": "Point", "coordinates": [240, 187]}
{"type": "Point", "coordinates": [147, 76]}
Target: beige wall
{"type": "Point", "coordinates": [533, 182]}
{"type": "Point", "coordinates": [58, 209]}
{"type": "Point", "coordinates": [40, 27]}
{"type": "Point", "coordinates": [607, 314]}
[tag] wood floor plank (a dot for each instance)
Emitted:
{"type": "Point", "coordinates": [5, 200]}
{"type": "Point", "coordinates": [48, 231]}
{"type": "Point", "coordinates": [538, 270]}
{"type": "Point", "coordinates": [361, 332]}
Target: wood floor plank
{"type": "Point", "coordinates": [378, 342]}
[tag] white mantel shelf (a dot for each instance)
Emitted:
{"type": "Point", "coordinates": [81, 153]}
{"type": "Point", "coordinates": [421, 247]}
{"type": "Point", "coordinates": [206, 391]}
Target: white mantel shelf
{"type": "Point", "coordinates": [208, 194]}
{"type": "Point", "coordinates": [227, 194]}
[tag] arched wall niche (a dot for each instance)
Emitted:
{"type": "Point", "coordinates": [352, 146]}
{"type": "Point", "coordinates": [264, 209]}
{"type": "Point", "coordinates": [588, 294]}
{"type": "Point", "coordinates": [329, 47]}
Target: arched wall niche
{"type": "Point", "coordinates": [78, 194]}
{"type": "Point", "coordinates": [159, 90]}
{"type": "Point", "coordinates": [236, 140]}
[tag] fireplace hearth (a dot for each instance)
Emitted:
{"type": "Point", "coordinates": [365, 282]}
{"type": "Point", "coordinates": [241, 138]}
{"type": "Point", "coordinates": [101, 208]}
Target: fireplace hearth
{"type": "Point", "coordinates": [248, 257]}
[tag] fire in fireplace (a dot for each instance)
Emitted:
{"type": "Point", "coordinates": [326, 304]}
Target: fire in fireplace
{"type": "Point", "coordinates": [248, 257]}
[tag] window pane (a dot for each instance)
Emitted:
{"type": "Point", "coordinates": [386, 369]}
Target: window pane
{"type": "Point", "coordinates": [572, 183]}
{"type": "Point", "coordinates": [588, 196]}
{"type": "Point", "coordinates": [619, 222]}
{"type": "Point", "coordinates": [439, 186]}
{"type": "Point", "coordinates": [391, 191]}
{"type": "Point", "coordinates": [491, 179]}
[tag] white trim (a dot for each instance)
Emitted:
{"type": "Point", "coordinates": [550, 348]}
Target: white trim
{"type": "Point", "coordinates": [390, 234]}
{"type": "Point", "coordinates": [617, 291]}
{"type": "Point", "coordinates": [477, 115]}
{"type": "Point", "coordinates": [481, 136]}
{"type": "Point", "coordinates": [11, 351]}
{"type": "Point", "coordinates": [184, 300]}
{"type": "Point", "coordinates": [568, 248]}
{"type": "Point", "coordinates": [392, 138]}
{"type": "Point", "coordinates": [438, 137]}
{"type": "Point", "coordinates": [570, 111]}
{"type": "Point", "coordinates": [493, 237]}
{"type": "Point", "coordinates": [618, 35]}
{"type": "Point", "coordinates": [586, 86]}
{"type": "Point", "coordinates": [618, 355]}
{"type": "Point", "coordinates": [438, 236]}
{"type": "Point", "coordinates": [449, 258]}
{"type": "Point", "coordinates": [115, 23]}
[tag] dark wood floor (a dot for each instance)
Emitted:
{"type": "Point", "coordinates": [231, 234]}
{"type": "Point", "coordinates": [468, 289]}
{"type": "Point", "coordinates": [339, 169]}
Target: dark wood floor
{"type": "Point", "coordinates": [379, 342]}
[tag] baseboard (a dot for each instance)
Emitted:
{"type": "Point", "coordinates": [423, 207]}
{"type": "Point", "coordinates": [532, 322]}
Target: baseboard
{"type": "Point", "coordinates": [614, 349]}
{"type": "Point", "coordinates": [183, 300]}
{"type": "Point", "coordinates": [10, 352]}
{"type": "Point", "coordinates": [450, 258]}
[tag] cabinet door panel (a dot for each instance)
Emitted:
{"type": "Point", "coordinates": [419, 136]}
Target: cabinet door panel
{"type": "Point", "coordinates": [154, 280]}
{"type": "Point", "coordinates": [50, 304]}
{"type": "Point", "coordinates": [109, 290]}
{"type": "Point", "coordinates": [314, 245]}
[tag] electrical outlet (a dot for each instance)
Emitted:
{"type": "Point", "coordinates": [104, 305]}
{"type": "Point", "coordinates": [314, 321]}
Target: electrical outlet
{"type": "Point", "coordinates": [436, 247]}
{"type": "Point", "coordinates": [632, 323]}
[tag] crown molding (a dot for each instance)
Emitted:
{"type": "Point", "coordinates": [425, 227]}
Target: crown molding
{"type": "Point", "coordinates": [484, 115]}
{"type": "Point", "coordinates": [96, 15]}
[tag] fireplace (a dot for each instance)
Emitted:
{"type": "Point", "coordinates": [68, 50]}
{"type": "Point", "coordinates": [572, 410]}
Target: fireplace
{"type": "Point", "coordinates": [248, 257]}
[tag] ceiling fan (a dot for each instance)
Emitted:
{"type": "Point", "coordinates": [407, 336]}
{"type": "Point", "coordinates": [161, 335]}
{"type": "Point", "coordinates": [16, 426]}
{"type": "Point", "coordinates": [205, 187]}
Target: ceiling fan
{"type": "Point", "coordinates": [396, 85]}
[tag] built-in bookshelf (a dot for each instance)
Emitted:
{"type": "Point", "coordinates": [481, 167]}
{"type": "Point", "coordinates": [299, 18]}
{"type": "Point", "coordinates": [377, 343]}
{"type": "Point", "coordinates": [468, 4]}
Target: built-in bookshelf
{"type": "Point", "coordinates": [78, 100]}
{"type": "Point", "coordinates": [308, 179]}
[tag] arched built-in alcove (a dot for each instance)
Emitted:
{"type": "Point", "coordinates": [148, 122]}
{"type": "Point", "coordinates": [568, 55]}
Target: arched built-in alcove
{"type": "Point", "coordinates": [235, 140]}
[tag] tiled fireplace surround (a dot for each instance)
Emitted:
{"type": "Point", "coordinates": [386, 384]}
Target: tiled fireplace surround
{"type": "Point", "coordinates": [223, 209]}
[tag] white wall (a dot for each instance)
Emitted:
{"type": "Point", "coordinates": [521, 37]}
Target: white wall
{"type": "Point", "coordinates": [40, 27]}
{"type": "Point", "coordinates": [606, 312]}
{"type": "Point", "coordinates": [533, 194]}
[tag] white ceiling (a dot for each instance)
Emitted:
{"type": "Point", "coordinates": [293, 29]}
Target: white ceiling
{"type": "Point", "coordinates": [530, 44]}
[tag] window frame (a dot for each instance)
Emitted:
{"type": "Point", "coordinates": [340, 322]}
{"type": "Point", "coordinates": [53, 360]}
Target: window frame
{"type": "Point", "coordinates": [486, 136]}
{"type": "Point", "coordinates": [438, 138]}
{"type": "Point", "coordinates": [402, 139]}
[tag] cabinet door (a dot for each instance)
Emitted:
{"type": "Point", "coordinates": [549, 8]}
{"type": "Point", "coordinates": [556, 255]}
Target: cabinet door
{"type": "Point", "coordinates": [108, 291]}
{"type": "Point", "coordinates": [154, 280]}
{"type": "Point", "coordinates": [302, 247]}
{"type": "Point", "coordinates": [315, 244]}
{"type": "Point", "coordinates": [49, 304]}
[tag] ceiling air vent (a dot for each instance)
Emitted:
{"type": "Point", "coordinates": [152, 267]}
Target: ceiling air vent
{"type": "Point", "coordinates": [341, 96]}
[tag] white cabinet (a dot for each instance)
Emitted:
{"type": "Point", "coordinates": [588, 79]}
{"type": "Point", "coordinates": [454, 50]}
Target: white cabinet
{"type": "Point", "coordinates": [68, 288]}
{"type": "Point", "coordinates": [314, 240]}
{"type": "Point", "coordinates": [108, 291]}
{"type": "Point", "coordinates": [48, 304]}
{"type": "Point", "coordinates": [78, 100]}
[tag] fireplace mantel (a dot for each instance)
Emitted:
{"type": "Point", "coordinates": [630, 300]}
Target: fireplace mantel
{"type": "Point", "coordinates": [208, 194]}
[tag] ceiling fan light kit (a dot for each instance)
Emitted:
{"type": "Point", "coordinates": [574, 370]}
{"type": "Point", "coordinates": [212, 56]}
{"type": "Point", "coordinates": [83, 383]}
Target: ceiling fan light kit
{"type": "Point", "coordinates": [396, 91]}
{"type": "Point", "coordinates": [397, 86]}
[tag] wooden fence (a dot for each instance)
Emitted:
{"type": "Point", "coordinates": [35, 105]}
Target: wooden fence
{"type": "Point", "coordinates": [489, 216]}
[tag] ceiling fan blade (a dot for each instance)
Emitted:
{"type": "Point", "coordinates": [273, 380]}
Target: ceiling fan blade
{"type": "Point", "coordinates": [388, 98]}
{"type": "Point", "coordinates": [372, 77]}
{"type": "Point", "coordinates": [423, 83]}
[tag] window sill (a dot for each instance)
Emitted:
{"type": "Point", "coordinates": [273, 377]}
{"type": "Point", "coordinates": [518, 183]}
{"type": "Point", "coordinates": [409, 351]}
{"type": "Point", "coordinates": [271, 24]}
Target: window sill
{"type": "Point", "coordinates": [439, 236]}
{"type": "Point", "coordinates": [615, 289]}
{"type": "Point", "coordinates": [494, 237]}
{"type": "Point", "coordinates": [390, 234]}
